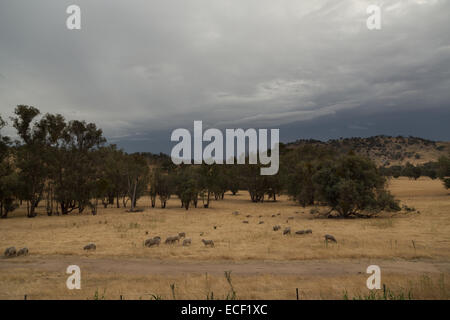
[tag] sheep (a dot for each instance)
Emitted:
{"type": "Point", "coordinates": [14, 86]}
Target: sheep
{"type": "Point", "coordinates": [182, 235]}
{"type": "Point", "coordinates": [287, 231]}
{"type": "Point", "coordinates": [291, 218]}
{"type": "Point", "coordinates": [90, 246]}
{"type": "Point", "coordinates": [273, 216]}
{"type": "Point", "coordinates": [245, 221]}
{"type": "Point", "coordinates": [22, 252]}
{"type": "Point", "coordinates": [208, 243]}
{"type": "Point", "coordinates": [152, 242]}
{"type": "Point", "coordinates": [261, 222]}
{"type": "Point", "coordinates": [10, 252]}
{"type": "Point", "coordinates": [236, 213]}
{"type": "Point", "coordinates": [308, 231]}
{"type": "Point", "coordinates": [171, 240]}
{"type": "Point", "coordinates": [248, 216]}
{"type": "Point", "coordinates": [329, 237]}
{"type": "Point", "coordinates": [276, 228]}
{"type": "Point", "coordinates": [186, 242]}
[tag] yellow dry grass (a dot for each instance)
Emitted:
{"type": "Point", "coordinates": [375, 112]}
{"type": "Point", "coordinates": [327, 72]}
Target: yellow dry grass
{"type": "Point", "coordinates": [45, 285]}
{"type": "Point", "coordinates": [119, 234]}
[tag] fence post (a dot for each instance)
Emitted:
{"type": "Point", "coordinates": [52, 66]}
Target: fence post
{"type": "Point", "coordinates": [296, 290]}
{"type": "Point", "coordinates": [121, 297]}
{"type": "Point", "coordinates": [25, 297]}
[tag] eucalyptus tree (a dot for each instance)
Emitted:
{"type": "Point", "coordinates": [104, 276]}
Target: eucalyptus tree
{"type": "Point", "coordinates": [31, 156]}
{"type": "Point", "coordinates": [9, 182]}
{"type": "Point", "coordinates": [137, 173]}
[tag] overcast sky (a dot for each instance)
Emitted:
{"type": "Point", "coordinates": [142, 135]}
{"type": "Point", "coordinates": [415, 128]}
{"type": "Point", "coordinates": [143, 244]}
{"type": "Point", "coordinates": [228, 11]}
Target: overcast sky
{"type": "Point", "coordinates": [140, 69]}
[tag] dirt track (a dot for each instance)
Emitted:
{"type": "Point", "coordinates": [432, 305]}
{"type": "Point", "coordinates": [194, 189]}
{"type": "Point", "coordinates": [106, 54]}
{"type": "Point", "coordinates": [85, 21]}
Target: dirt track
{"type": "Point", "coordinates": [147, 266]}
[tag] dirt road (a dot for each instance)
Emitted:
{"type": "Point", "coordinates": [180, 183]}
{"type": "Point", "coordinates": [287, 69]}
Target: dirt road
{"type": "Point", "coordinates": [138, 266]}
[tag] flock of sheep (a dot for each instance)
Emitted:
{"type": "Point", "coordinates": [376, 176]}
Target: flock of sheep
{"type": "Point", "coordinates": [287, 230]}
{"type": "Point", "coordinates": [155, 241]}
{"type": "Point", "coordinates": [12, 252]}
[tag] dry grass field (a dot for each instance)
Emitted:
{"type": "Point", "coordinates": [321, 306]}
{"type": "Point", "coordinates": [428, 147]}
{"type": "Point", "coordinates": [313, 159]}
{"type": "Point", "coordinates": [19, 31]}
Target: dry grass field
{"type": "Point", "coordinates": [412, 249]}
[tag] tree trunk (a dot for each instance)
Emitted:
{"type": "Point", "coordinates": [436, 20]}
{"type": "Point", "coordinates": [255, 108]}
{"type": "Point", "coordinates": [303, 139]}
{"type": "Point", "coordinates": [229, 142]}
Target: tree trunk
{"type": "Point", "coordinates": [31, 209]}
{"type": "Point", "coordinates": [2, 216]}
{"type": "Point", "coordinates": [133, 197]}
{"type": "Point", "coordinates": [153, 199]}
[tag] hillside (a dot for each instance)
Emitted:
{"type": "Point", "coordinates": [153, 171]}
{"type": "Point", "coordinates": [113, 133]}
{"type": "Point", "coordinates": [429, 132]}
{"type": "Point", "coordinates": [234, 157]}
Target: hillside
{"type": "Point", "coordinates": [386, 150]}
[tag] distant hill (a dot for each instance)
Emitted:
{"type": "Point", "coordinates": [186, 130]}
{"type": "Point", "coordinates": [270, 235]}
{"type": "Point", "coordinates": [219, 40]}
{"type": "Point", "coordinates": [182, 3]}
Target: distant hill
{"type": "Point", "coordinates": [385, 150]}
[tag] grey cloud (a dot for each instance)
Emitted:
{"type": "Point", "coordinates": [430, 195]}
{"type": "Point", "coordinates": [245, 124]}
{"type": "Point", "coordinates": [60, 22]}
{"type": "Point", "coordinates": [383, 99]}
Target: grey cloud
{"type": "Point", "coordinates": [142, 68]}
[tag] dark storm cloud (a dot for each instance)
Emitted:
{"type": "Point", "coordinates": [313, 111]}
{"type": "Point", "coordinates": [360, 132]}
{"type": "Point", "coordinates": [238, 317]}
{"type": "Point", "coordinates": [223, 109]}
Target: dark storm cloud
{"type": "Point", "coordinates": [140, 68]}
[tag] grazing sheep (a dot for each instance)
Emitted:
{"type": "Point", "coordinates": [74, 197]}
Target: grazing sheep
{"type": "Point", "coordinates": [276, 228]}
{"type": "Point", "coordinates": [90, 246]}
{"type": "Point", "coordinates": [308, 231]}
{"type": "Point", "coordinates": [291, 218]}
{"type": "Point", "coordinates": [22, 252]}
{"type": "Point", "coordinates": [236, 213]}
{"type": "Point", "coordinates": [278, 214]}
{"type": "Point", "coordinates": [248, 216]}
{"type": "Point", "coordinates": [208, 243]}
{"type": "Point", "coordinates": [152, 242]}
{"type": "Point", "coordinates": [171, 240]}
{"type": "Point", "coordinates": [186, 242]}
{"type": "Point", "coordinates": [261, 222]}
{"type": "Point", "coordinates": [245, 221]}
{"type": "Point", "coordinates": [273, 216]}
{"type": "Point", "coordinates": [182, 235]}
{"type": "Point", "coordinates": [201, 234]}
{"type": "Point", "coordinates": [260, 216]}
{"type": "Point", "coordinates": [329, 237]}
{"type": "Point", "coordinates": [10, 252]}
{"type": "Point", "coordinates": [287, 231]}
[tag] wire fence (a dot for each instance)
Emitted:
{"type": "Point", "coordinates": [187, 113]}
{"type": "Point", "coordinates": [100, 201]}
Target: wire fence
{"type": "Point", "coordinates": [101, 296]}
{"type": "Point", "coordinates": [146, 296]}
